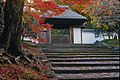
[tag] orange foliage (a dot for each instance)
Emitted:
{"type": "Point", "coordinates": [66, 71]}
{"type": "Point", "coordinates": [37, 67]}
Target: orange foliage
{"type": "Point", "coordinates": [34, 15]}
{"type": "Point", "coordinates": [78, 5]}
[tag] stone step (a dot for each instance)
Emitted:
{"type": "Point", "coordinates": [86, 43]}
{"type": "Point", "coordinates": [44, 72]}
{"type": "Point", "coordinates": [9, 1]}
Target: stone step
{"type": "Point", "coordinates": [79, 56]}
{"type": "Point", "coordinates": [78, 51]}
{"type": "Point", "coordinates": [83, 59]}
{"type": "Point", "coordinates": [89, 76]}
{"type": "Point", "coordinates": [73, 46]}
{"type": "Point", "coordinates": [83, 62]}
{"type": "Point", "coordinates": [77, 48]}
{"type": "Point", "coordinates": [84, 69]}
{"type": "Point", "coordinates": [82, 54]}
{"type": "Point", "coordinates": [88, 63]}
{"type": "Point", "coordinates": [64, 44]}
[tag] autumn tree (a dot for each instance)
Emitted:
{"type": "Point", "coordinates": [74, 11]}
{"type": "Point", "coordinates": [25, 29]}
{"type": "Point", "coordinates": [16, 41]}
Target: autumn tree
{"type": "Point", "coordinates": [77, 5]}
{"type": "Point", "coordinates": [10, 39]}
{"type": "Point", "coordinates": [34, 19]}
{"type": "Point", "coordinates": [104, 14]}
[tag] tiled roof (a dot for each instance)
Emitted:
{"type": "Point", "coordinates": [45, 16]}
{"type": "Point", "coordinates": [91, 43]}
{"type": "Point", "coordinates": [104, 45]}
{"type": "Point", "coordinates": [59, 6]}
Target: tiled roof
{"type": "Point", "coordinates": [69, 14]}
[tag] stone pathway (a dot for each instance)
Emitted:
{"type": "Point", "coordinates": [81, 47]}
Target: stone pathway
{"type": "Point", "coordinates": [83, 61]}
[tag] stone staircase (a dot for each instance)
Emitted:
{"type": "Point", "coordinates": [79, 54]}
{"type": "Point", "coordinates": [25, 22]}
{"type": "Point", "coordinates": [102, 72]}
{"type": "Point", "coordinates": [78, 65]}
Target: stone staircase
{"type": "Point", "coordinates": [82, 61]}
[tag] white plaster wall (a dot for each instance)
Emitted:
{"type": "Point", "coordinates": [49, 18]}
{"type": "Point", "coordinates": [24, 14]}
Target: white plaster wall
{"type": "Point", "coordinates": [77, 35]}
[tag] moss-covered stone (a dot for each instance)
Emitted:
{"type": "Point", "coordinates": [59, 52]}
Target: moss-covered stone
{"type": "Point", "coordinates": [112, 42]}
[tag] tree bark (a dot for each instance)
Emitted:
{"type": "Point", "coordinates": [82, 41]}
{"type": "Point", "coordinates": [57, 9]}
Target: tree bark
{"type": "Point", "coordinates": [5, 37]}
{"type": "Point", "coordinates": [1, 16]}
{"type": "Point", "coordinates": [11, 37]}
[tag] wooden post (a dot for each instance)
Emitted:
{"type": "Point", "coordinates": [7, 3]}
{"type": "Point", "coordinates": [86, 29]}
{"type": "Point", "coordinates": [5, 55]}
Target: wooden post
{"type": "Point", "coordinates": [71, 34]}
{"type": "Point", "coordinates": [49, 36]}
{"type": "Point", "coordinates": [81, 36]}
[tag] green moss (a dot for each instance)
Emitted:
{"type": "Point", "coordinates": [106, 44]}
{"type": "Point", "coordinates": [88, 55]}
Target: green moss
{"type": "Point", "coordinates": [112, 42]}
{"type": "Point", "coordinates": [31, 74]}
{"type": "Point", "coordinates": [29, 43]}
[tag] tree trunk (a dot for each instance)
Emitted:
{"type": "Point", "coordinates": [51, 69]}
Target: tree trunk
{"type": "Point", "coordinates": [11, 37]}
{"type": "Point", "coordinates": [108, 34]}
{"type": "Point", "coordinates": [1, 16]}
{"type": "Point", "coordinates": [5, 37]}
{"type": "Point", "coordinates": [15, 41]}
{"type": "Point", "coordinates": [103, 36]}
{"type": "Point", "coordinates": [119, 39]}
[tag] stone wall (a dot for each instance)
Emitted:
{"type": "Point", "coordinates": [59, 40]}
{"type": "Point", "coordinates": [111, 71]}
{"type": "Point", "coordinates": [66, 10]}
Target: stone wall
{"type": "Point", "coordinates": [60, 38]}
